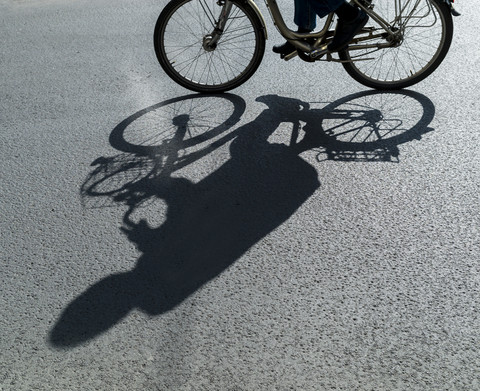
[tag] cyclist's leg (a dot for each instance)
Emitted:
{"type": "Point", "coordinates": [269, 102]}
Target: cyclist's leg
{"type": "Point", "coordinates": [350, 20]}
{"type": "Point", "coordinates": [324, 7]}
{"type": "Point", "coordinates": [305, 19]}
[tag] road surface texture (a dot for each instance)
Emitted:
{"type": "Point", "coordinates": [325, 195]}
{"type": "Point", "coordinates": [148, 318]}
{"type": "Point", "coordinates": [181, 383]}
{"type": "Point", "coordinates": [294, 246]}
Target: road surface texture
{"type": "Point", "coordinates": [317, 235]}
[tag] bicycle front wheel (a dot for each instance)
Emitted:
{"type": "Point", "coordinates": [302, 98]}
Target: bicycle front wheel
{"type": "Point", "coordinates": [181, 33]}
{"type": "Point", "coordinates": [426, 29]}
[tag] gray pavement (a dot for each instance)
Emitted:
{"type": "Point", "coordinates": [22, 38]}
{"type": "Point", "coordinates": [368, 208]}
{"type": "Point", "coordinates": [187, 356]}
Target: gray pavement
{"type": "Point", "coordinates": [257, 261]}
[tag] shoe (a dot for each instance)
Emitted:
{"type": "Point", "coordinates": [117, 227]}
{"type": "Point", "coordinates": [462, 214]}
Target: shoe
{"type": "Point", "coordinates": [284, 49]}
{"type": "Point", "coordinates": [345, 31]}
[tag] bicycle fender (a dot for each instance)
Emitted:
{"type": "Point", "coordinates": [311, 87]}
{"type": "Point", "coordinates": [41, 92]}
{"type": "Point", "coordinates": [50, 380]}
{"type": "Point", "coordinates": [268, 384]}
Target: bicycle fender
{"type": "Point", "coordinates": [252, 4]}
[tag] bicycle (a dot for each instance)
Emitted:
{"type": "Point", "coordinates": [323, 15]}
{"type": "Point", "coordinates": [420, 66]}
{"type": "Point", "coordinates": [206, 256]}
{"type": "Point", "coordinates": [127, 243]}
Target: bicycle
{"type": "Point", "coordinates": [213, 46]}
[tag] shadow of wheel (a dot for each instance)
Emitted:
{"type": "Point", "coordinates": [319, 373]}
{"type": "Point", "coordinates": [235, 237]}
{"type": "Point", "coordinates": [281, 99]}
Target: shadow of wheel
{"type": "Point", "coordinates": [370, 125]}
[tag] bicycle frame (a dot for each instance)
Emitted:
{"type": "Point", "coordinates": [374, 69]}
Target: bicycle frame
{"type": "Point", "coordinates": [321, 37]}
{"type": "Point", "coordinates": [391, 34]}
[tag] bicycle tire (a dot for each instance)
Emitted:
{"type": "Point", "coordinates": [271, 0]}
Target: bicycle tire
{"type": "Point", "coordinates": [386, 79]}
{"type": "Point", "coordinates": [235, 58]}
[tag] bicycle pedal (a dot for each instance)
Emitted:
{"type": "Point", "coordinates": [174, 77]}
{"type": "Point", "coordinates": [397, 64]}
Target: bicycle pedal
{"type": "Point", "coordinates": [320, 52]}
{"type": "Point", "coordinates": [289, 56]}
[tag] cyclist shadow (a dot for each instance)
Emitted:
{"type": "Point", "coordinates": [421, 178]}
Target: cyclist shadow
{"type": "Point", "coordinates": [209, 224]}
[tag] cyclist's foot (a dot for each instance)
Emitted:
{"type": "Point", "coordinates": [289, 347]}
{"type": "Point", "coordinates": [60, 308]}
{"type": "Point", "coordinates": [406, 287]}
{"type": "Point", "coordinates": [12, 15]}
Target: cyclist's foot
{"type": "Point", "coordinates": [346, 30]}
{"type": "Point", "coordinates": [284, 49]}
{"type": "Point", "coordinates": [287, 48]}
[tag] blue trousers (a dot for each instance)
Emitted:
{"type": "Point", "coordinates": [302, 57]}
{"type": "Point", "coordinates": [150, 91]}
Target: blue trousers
{"type": "Point", "coordinates": [306, 11]}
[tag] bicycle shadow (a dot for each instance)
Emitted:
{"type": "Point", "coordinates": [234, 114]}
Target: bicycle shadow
{"type": "Point", "coordinates": [212, 223]}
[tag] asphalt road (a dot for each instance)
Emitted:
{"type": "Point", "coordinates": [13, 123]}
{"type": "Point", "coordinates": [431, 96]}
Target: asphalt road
{"type": "Point", "coordinates": [256, 261]}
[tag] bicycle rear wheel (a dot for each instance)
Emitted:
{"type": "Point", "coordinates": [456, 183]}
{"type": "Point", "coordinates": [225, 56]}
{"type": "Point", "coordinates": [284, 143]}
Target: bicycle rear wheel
{"type": "Point", "coordinates": [426, 28]}
{"type": "Point", "coordinates": [181, 31]}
